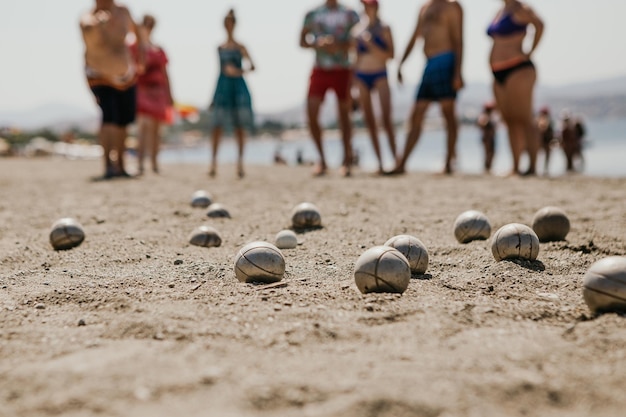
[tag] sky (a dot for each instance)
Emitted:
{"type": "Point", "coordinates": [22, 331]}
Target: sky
{"type": "Point", "coordinates": [42, 50]}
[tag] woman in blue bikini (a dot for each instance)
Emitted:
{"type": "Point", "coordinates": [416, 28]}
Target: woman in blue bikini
{"type": "Point", "coordinates": [515, 77]}
{"type": "Point", "coordinates": [374, 45]}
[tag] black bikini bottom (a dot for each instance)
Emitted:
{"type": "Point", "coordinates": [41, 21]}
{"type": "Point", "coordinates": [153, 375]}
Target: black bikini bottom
{"type": "Point", "coordinates": [502, 75]}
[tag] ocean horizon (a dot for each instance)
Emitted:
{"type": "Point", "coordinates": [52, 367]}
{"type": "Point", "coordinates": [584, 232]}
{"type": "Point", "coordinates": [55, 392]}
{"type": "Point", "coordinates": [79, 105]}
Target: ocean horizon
{"type": "Point", "coordinates": [604, 152]}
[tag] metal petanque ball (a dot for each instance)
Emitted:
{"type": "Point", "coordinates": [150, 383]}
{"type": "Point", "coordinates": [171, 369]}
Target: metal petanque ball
{"type": "Point", "coordinates": [604, 285]}
{"type": "Point", "coordinates": [382, 269]}
{"type": "Point", "coordinates": [205, 236]}
{"type": "Point", "coordinates": [551, 224]}
{"type": "Point", "coordinates": [259, 262]}
{"type": "Point", "coordinates": [286, 239]}
{"type": "Point", "coordinates": [217, 211]}
{"type": "Point", "coordinates": [413, 250]}
{"type": "Point", "coordinates": [515, 241]}
{"type": "Point", "coordinates": [201, 199]}
{"type": "Point", "coordinates": [66, 233]}
{"type": "Point", "coordinates": [472, 225]}
{"type": "Point", "coordinates": [306, 215]}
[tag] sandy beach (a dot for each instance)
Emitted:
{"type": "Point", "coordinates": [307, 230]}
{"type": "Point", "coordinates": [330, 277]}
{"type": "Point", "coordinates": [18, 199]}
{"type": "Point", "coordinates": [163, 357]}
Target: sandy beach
{"type": "Point", "coordinates": [137, 322]}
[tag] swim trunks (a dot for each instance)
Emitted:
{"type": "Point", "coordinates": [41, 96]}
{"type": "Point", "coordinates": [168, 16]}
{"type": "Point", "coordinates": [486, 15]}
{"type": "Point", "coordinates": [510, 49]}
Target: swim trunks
{"type": "Point", "coordinates": [338, 80]}
{"type": "Point", "coordinates": [437, 79]}
{"type": "Point", "coordinates": [118, 106]}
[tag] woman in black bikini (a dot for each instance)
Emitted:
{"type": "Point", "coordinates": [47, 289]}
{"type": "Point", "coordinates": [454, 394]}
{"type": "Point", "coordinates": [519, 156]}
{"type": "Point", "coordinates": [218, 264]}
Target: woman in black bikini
{"type": "Point", "coordinates": [515, 76]}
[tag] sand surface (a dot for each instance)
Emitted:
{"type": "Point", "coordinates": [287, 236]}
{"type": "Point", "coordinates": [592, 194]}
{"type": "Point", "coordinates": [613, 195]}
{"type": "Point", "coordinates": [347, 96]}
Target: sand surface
{"type": "Point", "coordinates": [169, 331]}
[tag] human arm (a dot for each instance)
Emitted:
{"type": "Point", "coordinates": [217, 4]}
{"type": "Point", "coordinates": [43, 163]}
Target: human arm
{"type": "Point", "coordinates": [456, 36]}
{"type": "Point", "coordinates": [417, 33]}
{"type": "Point", "coordinates": [246, 56]}
{"type": "Point", "coordinates": [385, 53]}
{"type": "Point", "coordinates": [141, 39]}
{"type": "Point", "coordinates": [528, 15]}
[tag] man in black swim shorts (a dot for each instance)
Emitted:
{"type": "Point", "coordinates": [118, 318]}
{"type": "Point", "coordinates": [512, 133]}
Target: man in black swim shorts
{"type": "Point", "coordinates": [111, 74]}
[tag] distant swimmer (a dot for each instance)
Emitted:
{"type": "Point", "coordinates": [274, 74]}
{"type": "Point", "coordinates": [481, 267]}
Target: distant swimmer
{"type": "Point", "coordinates": [111, 73]}
{"type": "Point", "coordinates": [546, 135]}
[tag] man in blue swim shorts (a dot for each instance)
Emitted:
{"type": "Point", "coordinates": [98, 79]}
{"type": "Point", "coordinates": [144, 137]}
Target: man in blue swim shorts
{"type": "Point", "coordinates": [440, 23]}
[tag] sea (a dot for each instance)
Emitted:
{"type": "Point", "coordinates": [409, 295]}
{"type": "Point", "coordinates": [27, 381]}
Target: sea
{"type": "Point", "coordinates": [604, 151]}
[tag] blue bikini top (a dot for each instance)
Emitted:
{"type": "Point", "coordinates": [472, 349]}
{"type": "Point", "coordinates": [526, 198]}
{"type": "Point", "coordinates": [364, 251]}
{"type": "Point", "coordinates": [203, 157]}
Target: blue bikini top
{"type": "Point", "coordinates": [377, 39]}
{"type": "Point", "coordinates": [505, 26]}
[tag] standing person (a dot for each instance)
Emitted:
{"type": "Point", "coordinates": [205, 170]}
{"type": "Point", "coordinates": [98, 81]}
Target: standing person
{"type": "Point", "coordinates": [571, 140]}
{"type": "Point", "coordinates": [546, 133]}
{"type": "Point", "coordinates": [154, 97]}
{"type": "Point", "coordinates": [581, 132]}
{"type": "Point", "coordinates": [515, 77]}
{"type": "Point", "coordinates": [374, 45]}
{"type": "Point", "coordinates": [327, 30]}
{"type": "Point", "coordinates": [111, 74]}
{"type": "Point", "coordinates": [487, 125]}
{"type": "Point", "coordinates": [440, 24]}
{"type": "Point", "coordinates": [232, 105]}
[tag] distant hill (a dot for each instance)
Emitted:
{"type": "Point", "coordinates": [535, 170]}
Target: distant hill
{"type": "Point", "coordinates": [58, 116]}
{"type": "Point", "coordinates": [597, 100]}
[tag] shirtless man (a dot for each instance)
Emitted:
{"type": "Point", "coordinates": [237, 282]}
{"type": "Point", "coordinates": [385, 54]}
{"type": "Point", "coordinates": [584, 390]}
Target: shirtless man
{"type": "Point", "coordinates": [111, 74]}
{"type": "Point", "coordinates": [440, 23]}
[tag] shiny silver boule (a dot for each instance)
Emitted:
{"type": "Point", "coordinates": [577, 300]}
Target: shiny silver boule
{"type": "Point", "coordinates": [201, 199]}
{"type": "Point", "coordinates": [217, 211]}
{"type": "Point", "coordinates": [551, 224]}
{"type": "Point", "coordinates": [66, 233]}
{"type": "Point", "coordinates": [382, 269]}
{"type": "Point", "coordinates": [205, 236]}
{"type": "Point", "coordinates": [515, 241]}
{"type": "Point", "coordinates": [472, 225]}
{"type": "Point", "coordinates": [306, 215]}
{"type": "Point", "coordinates": [604, 285]}
{"type": "Point", "coordinates": [413, 250]}
{"type": "Point", "coordinates": [259, 262]}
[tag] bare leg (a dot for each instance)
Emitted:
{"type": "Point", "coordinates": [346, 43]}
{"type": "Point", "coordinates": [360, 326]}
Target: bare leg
{"type": "Point", "coordinates": [449, 114]}
{"type": "Point", "coordinates": [241, 141]}
{"type": "Point", "coordinates": [106, 136]}
{"type": "Point", "coordinates": [532, 144]}
{"type": "Point", "coordinates": [345, 125]}
{"type": "Point", "coordinates": [143, 131]}
{"type": "Point", "coordinates": [502, 101]}
{"type": "Point", "coordinates": [155, 144]}
{"type": "Point", "coordinates": [119, 144]}
{"type": "Point", "coordinates": [370, 120]}
{"type": "Point", "coordinates": [313, 110]}
{"type": "Point", "coordinates": [519, 91]}
{"type": "Point", "coordinates": [382, 86]}
{"type": "Point", "coordinates": [215, 142]}
{"type": "Point", "coordinates": [417, 117]}
{"type": "Point", "coordinates": [546, 163]}
{"type": "Point", "coordinates": [516, 139]}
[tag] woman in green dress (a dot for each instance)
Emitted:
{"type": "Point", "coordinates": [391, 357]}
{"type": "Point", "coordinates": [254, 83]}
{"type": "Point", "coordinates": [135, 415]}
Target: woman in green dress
{"type": "Point", "coordinates": [231, 108]}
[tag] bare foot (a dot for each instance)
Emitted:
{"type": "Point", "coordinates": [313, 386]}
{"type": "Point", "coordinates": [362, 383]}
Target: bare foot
{"type": "Point", "coordinates": [319, 170]}
{"type": "Point", "coordinates": [344, 171]}
{"type": "Point", "coordinates": [396, 171]}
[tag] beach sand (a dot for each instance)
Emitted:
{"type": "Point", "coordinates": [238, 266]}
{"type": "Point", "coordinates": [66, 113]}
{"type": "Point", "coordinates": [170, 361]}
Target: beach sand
{"type": "Point", "coordinates": [169, 331]}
